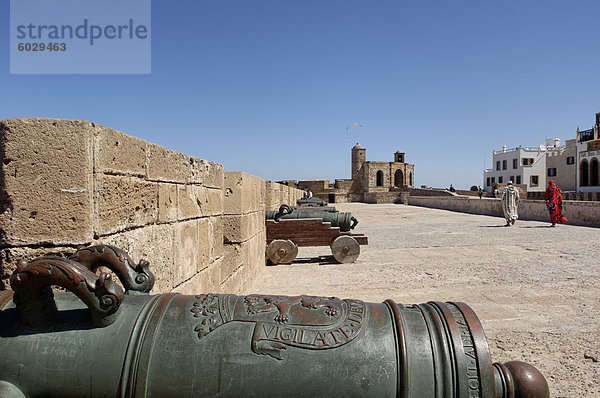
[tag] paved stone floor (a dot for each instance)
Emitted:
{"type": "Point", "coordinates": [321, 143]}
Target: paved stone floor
{"type": "Point", "coordinates": [535, 289]}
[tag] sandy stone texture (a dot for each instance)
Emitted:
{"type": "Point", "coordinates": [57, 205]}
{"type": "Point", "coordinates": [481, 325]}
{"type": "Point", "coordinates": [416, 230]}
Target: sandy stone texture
{"type": "Point", "coordinates": [536, 289]}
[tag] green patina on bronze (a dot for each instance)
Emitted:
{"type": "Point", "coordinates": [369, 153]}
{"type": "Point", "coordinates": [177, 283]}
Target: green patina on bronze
{"type": "Point", "coordinates": [344, 221]}
{"type": "Point", "coordinates": [207, 345]}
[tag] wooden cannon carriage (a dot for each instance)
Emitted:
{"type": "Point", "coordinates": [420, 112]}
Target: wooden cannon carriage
{"type": "Point", "coordinates": [284, 238]}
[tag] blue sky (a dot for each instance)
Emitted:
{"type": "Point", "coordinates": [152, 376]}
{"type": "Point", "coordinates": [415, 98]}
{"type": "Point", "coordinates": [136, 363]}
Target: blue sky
{"type": "Point", "coordinates": [269, 87]}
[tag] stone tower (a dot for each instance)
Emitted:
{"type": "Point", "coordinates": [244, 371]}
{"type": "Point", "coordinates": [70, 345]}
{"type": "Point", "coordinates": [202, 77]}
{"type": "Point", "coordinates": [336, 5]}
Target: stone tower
{"type": "Point", "coordinates": [399, 156]}
{"type": "Point", "coordinates": [359, 156]}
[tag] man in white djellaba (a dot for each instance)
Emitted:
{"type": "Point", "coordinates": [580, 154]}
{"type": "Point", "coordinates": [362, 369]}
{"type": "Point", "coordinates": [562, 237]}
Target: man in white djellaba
{"type": "Point", "coordinates": [510, 203]}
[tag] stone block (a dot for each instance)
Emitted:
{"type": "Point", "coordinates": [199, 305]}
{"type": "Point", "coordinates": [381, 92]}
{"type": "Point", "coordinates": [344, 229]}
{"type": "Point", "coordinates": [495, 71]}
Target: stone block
{"type": "Point", "coordinates": [118, 153]}
{"type": "Point", "coordinates": [242, 193]}
{"type": "Point", "coordinates": [123, 202]}
{"type": "Point", "coordinates": [165, 165]}
{"type": "Point", "coordinates": [192, 286]}
{"type": "Point", "coordinates": [234, 258]}
{"type": "Point", "coordinates": [167, 203]}
{"type": "Point", "coordinates": [262, 186]}
{"type": "Point", "coordinates": [189, 199]}
{"type": "Point", "coordinates": [215, 228]}
{"type": "Point", "coordinates": [213, 284]}
{"type": "Point", "coordinates": [198, 171]}
{"type": "Point", "coordinates": [211, 202]}
{"type": "Point", "coordinates": [242, 262]}
{"type": "Point", "coordinates": [271, 197]}
{"type": "Point", "coordinates": [206, 281]}
{"type": "Point", "coordinates": [283, 199]}
{"type": "Point", "coordinates": [185, 251]}
{"type": "Point", "coordinates": [212, 173]}
{"type": "Point", "coordinates": [46, 181]}
{"type": "Point", "coordinates": [205, 240]}
{"type": "Point", "coordinates": [239, 228]}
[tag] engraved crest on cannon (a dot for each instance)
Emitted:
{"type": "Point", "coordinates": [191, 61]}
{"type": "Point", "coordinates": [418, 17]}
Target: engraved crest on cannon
{"type": "Point", "coordinates": [305, 322]}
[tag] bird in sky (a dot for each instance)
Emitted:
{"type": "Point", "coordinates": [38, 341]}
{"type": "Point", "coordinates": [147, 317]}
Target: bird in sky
{"type": "Point", "coordinates": [353, 125]}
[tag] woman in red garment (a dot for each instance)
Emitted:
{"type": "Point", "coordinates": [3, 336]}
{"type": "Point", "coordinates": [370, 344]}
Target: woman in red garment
{"type": "Point", "coordinates": [553, 199]}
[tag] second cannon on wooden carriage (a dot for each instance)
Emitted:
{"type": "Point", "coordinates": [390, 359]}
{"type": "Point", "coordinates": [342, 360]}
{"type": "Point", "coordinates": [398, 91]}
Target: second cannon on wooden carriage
{"type": "Point", "coordinates": [285, 234]}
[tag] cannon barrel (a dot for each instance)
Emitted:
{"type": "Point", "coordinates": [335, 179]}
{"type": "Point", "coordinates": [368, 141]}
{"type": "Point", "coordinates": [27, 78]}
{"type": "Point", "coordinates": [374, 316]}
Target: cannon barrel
{"type": "Point", "coordinates": [344, 221]}
{"type": "Point", "coordinates": [173, 345]}
{"type": "Point", "coordinates": [310, 202]}
{"type": "Point", "coordinates": [271, 214]}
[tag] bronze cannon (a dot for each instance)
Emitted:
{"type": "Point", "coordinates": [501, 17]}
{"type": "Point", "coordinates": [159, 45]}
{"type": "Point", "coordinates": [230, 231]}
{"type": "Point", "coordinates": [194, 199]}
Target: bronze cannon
{"type": "Point", "coordinates": [344, 221]}
{"type": "Point", "coordinates": [271, 214]}
{"type": "Point", "coordinates": [310, 202]}
{"type": "Point", "coordinates": [99, 339]}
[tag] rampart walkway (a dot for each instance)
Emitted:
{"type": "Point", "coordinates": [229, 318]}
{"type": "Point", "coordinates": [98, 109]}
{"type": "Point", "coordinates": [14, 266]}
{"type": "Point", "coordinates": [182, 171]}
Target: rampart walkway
{"type": "Point", "coordinates": [535, 289]}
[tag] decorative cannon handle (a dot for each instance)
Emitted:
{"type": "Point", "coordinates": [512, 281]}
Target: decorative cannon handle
{"type": "Point", "coordinates": [136, 278]}
{"type": "Point", "coordinates": [354, 222]}
{"type": "Point", "coordinates": [283, 210]}
{"type": "Point", "coordinates": [34, 298]}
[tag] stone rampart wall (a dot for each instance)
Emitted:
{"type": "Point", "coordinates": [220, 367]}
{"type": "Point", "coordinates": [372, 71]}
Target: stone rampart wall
{"type": "Point", "coordinates": [66, 183]}
{"type": "Point", "coordinates": [577, 212]}
{"type": "Point", "coordinates": [277, 194]}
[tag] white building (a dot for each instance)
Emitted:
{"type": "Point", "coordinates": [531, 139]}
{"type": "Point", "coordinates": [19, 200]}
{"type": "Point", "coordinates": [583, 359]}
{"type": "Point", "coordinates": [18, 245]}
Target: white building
{"type": "Point", "coordinates": [523, 166]}
{"type": "Point", "coordinates": [588, 155]}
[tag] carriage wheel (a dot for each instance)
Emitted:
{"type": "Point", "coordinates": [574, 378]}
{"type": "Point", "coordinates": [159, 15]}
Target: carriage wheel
{"type": "Point", "coordinates": [281, 251]}
{"type": "Point", "coordinates": [345, 249]}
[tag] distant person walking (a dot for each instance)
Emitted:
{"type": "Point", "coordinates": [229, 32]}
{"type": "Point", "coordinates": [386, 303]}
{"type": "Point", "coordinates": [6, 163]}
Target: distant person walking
{"type": "Point", "coordinates": [510, 203]}
{"type": "Point", "coordinates": [553, 198]}
{"type": "Point", "coordinates": [479, 192]}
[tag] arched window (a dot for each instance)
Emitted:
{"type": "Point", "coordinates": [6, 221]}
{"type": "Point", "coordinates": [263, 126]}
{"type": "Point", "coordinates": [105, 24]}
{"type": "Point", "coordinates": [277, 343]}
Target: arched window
{"type": "Point", "coordinates": [583, 174]}
{"type": "Point", "coordinates": [594, 172]}
{"type": "Point", "coordinates": [379, 178]}
{"type": "Point", "coordinates": [410, 181]}
{"type": "Point", "coordinates": [398, 179]}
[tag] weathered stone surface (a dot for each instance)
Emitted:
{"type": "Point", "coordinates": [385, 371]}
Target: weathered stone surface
{"type": "Point", "coordinates": [192, 286]}
{"type": "Point", "coordinates": [67, 183]}
{"type": "Point", "coordinates": [205, 240]}
{"type": "Point", "coordinates": [198, 171]}
{"type": "Point", "coordinates": [167, 202]}
{"type": "Point", "coordinates": [165, 165]}
{"type": "Point", "coordinates": [211, 202]}
{"type": "Point", "coordinates": [205, 281]}
{"type": "Point", "coordinates": [207, 173]}
{"type": "Point", "coordinates": [190, 198]}
{"type": "Point", "coordinates": [185, 249]}
{"type": "Point", "coordinates": [214, 175]}
{"type": "Point", "coordinates": [235, 257]}
{"type": "Point", "coordinates": [213, 273]}
{"type": "Point", "coordinates": [45, 184]}
{"type": "Point", "coordinates": [197, 201]}
{"type": "Point", "coordinates": [242, 262]}
{"type": "Point", "coordinates": [118, 153]}
{"type": "Point", "coordinates": [123, 202]}
{"type": "Point", "coordinates": [215, 228]}
{"type": "Point", "coordinates": [242, 193]}
{"type": "Point", "coordinates": [239, 228]}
